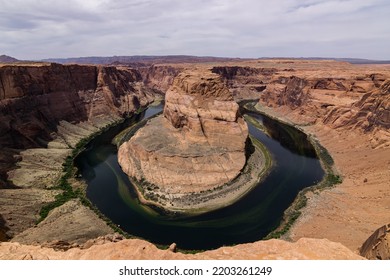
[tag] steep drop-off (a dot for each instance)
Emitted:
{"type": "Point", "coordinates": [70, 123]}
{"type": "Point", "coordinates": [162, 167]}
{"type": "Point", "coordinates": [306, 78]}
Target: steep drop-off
{"type": "Point", "coordinates": [45, 110]}
{"type": "Point", "coordinates": [159, 77]}
{"type": "Point", "coordinates": [35, 99]}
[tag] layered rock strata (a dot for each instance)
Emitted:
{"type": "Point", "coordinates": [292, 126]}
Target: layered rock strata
{"type": "Point", "coordinates": [45, 110]}
{"type": "Point", "coordinates": [197, 145]}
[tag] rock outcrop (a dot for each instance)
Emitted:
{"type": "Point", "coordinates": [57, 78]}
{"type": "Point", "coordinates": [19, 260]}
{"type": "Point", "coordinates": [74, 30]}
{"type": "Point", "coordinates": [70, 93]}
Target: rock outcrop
{"type": "Point", "coordinates": [371, 112]}
{"type": "Point", "coordinates": [245, 82]}
{"type": "Point", "coordinates": [197, 145]}
{"type": "Point", "coordinates": [112, 248]}
{"type": "Point", "coordinates": [377, 246]}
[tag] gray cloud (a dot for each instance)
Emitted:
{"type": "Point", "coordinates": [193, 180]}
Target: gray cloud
{"type": "Point", "coordinates": [240, 28]}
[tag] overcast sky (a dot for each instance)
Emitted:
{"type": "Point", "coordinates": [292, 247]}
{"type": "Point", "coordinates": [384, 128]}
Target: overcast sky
{"type": "Point", "coordinates": [36, 29]}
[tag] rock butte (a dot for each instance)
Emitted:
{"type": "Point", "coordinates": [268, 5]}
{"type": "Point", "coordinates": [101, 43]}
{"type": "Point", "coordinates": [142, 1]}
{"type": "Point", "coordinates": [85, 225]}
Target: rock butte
{"type": "Point", "coordinates": [45, 109]}
{"type": "Point", "coordinates": [198, 143]}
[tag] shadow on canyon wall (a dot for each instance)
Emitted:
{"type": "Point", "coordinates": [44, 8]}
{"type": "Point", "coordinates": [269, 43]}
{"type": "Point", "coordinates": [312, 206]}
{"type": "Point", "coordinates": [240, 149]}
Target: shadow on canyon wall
{"type": "Point", "coordinates": [3, 229]}
{"type": "Point", "coordinates": [35, 99]}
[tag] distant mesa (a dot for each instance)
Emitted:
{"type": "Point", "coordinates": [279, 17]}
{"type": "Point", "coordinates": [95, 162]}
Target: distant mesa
{"type": "Point", "coordinates": [7, 59]}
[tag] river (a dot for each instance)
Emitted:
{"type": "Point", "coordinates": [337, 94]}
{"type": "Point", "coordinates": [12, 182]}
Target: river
{"type": "Point", "coordinates": [295, 167]}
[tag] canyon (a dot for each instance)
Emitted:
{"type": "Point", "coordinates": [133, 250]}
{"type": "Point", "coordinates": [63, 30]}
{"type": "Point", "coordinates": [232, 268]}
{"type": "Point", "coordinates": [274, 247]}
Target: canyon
{"type": "Point", "coordinates": [47, 109]}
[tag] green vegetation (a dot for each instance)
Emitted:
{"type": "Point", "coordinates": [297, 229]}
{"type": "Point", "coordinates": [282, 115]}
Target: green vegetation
{"type": "Point", "coordinates": [331, 178]}
{"type": "Point", "coordinates": [290, 216]}
{"type": "Point", "coordinates": [68, 192]}
{"type": "Point", "coordinates": [255, 123]}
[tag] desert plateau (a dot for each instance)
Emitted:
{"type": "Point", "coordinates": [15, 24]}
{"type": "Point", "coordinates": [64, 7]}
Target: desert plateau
{"type": "Point", "coordinates": [197, 153]}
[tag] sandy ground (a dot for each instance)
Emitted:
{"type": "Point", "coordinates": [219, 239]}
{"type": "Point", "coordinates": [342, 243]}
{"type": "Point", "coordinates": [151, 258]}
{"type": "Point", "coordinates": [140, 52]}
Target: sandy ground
{"type": "Point", "coordinates": [353, 210]}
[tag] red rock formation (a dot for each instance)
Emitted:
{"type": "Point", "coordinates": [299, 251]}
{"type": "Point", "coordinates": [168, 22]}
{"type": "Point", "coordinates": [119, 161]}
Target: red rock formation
{"type": "Point", "coordinates": [35, 98]}
{"type": "Point", "coordinates": [159, 77]}
{"type": "Point", "coordinates": [198, 145]}
{"type": "Point", "coordinates": [371, 111]}
{"type": "Point", "coordinates": [245, 82]}
{"type": "Point", "coordinates": [377, 246]}
{"type": "Point", "coordinates": [112, 248]}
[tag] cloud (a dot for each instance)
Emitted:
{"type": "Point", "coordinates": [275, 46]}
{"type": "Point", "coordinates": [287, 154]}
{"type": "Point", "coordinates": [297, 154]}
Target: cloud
{"type": "Point", "coordinates": [244, 28]}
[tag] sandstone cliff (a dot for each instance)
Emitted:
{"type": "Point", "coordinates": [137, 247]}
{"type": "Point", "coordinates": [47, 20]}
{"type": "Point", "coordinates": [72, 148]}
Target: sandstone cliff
{"type": "Point", "coordinates": [245, 82]}
{"type": "Point", "coordinates": [338, 98]}
{"type": "Point", "coordinates": [371, 113]}
{"type": "Point", "coordinates": [45, 110]}
{"type": "Point", "coordinates": [34, 99]}
{"type": "Point", "coordinates": [342, 96]}
{"type": "Point", "coordinates": [159, 77]}
{"type": "Point", "coordinates": [113, 248]}
{"type": "Point", "coordinates": [199, 143]}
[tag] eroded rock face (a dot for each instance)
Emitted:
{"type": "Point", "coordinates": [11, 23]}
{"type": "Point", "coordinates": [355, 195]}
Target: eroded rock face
{"type": "Point", "coordinates": [199, 142]}
{"type": "Point", "coordinates": [34, 99]}
{"type": "Point", "coordinates": [370, 112]}
{"type": "Point", "coordinates": [159, 77]}
{"type": "Point", "coordinates": [45, 110]}
{"type": "Point", "coordinates": [112, 248]}
{"type": "Point", "coordinates": [377, 246]}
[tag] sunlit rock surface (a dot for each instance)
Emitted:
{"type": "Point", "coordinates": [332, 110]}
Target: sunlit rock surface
{"type": "Point", "coordinates": [198, 143]}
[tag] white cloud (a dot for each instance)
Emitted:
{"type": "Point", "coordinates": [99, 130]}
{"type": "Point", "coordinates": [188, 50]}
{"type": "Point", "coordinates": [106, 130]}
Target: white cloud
{"type": "Point", "coordinates": [245, 28]}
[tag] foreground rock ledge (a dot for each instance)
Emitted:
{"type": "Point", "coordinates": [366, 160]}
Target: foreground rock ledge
{"type": "Point", "coordinates": [133, 249]}
{"type": "Point", "coordinates": [197, 146]}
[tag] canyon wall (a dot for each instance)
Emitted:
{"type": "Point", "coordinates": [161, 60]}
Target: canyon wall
{"type": "Point", "coordinates": [159, 77]}
{"type": "Point", "coordinates": [34, 99]}
{"type": "Point", "coordinates": [336, 94]}
{"type": "Point", "coordinates": [45, 110]}
{"type": "Point", "coordinates": [245, 82]}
